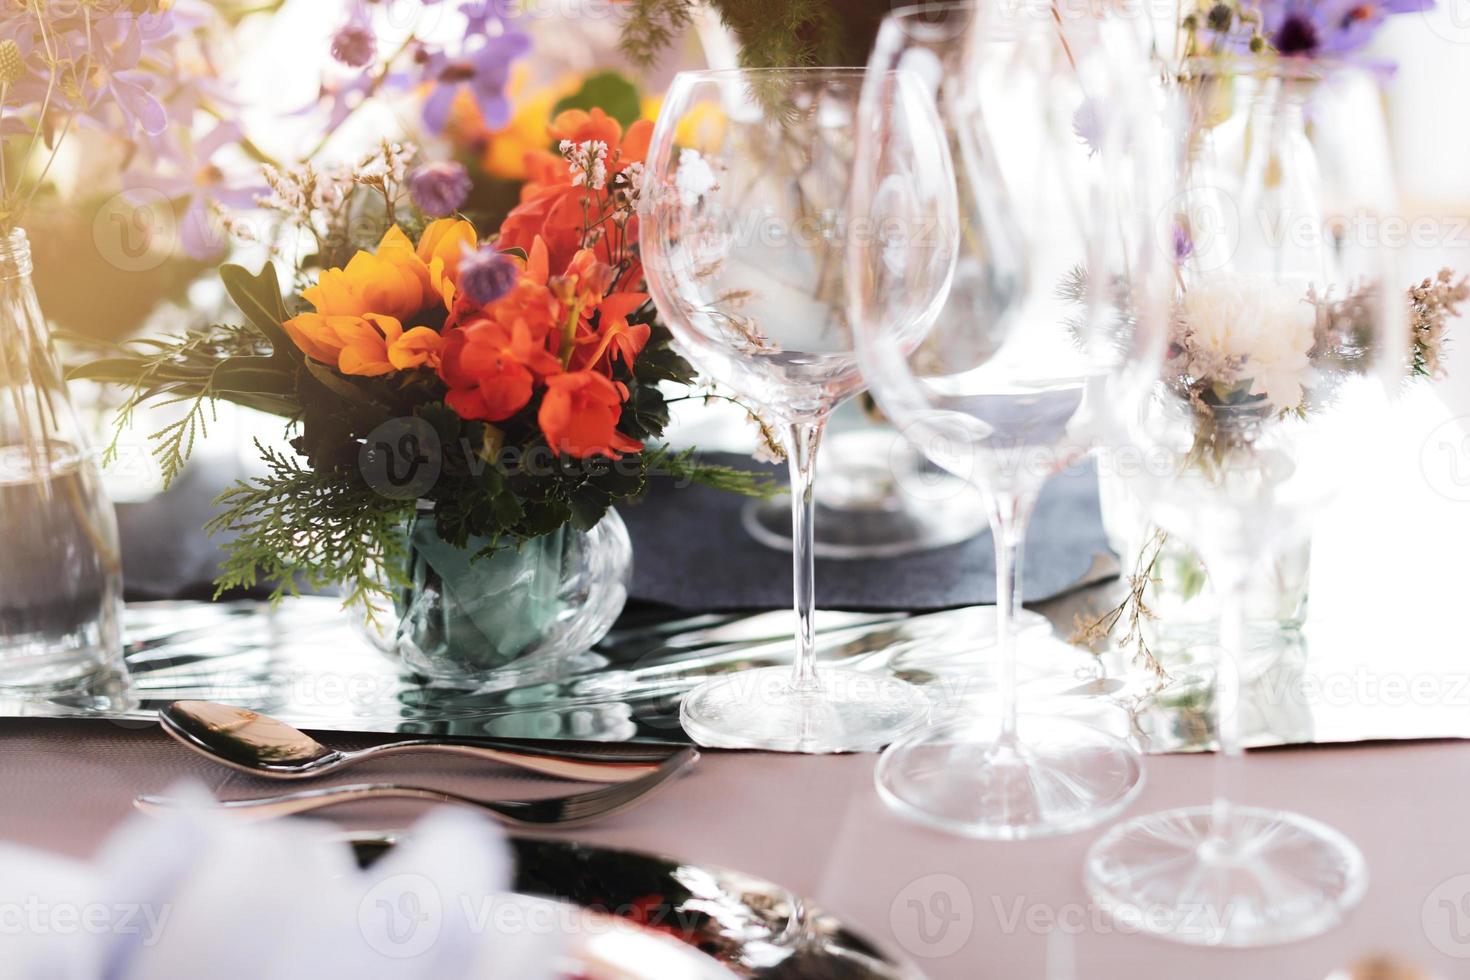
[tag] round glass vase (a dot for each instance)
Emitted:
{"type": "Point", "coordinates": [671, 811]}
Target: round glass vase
{"type": "Point", "coordinates": [518, 615]}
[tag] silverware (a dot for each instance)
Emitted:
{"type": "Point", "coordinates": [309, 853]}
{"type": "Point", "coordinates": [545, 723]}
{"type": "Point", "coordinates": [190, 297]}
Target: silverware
{"type": "Point", "coordinates": [262, 745]}
{"type": "Point", "coordinates": [553, 811]}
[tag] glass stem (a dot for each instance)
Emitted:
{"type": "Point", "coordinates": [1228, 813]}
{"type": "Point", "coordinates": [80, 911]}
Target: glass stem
{"type": "Point", "coordinates": [1232, 592]}
{"type": "Point", "coordinates": [802, 439]}
{"type": "Point", "coordinates": [1008, 518]}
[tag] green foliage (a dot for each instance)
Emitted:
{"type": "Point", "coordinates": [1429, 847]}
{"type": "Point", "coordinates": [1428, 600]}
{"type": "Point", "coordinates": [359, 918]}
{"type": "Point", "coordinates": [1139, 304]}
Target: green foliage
{"type": "Point", "coordinates": [608, 91]}
{"type": "Point", "coordinates": [297, 525]}
{"type": "Point", "coordinates": [772, 33]}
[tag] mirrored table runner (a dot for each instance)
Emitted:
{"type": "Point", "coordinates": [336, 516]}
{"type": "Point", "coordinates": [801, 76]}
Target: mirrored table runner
{"type": "Point", "coordinates": [307, 664]}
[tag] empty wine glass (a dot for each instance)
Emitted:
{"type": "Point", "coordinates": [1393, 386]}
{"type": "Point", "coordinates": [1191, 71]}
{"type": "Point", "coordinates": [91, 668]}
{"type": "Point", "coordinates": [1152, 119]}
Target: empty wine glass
{"type": "Point", "coordinates": [743, 231]}
{"type": "Point", "coordinates": [1003, 387]}
{"type": "Point", "coordinates": [1268, 375]}
{"type": "Point", "coordinates": [879, 498]}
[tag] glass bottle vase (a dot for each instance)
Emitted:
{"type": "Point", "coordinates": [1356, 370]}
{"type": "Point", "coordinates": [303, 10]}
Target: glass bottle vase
{"type": "Point", "coordinates": [61, 571]}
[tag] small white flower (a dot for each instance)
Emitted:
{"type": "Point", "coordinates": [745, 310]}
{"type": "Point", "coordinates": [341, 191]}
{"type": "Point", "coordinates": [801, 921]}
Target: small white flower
{"type": "Point", "coordinates": [694, 178]}
{"type": "Point", "coordinates": [587, 161]}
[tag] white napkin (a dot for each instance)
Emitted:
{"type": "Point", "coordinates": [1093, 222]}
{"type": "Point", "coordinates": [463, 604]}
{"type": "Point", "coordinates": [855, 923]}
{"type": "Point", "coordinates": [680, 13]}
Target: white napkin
{"type": "Point", "coordinates": [198, 894]}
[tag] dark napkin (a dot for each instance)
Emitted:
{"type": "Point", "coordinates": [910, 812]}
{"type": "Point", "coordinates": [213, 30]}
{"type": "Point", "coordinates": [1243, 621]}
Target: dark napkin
{"type": "Point", "coordinates": [690, 551]}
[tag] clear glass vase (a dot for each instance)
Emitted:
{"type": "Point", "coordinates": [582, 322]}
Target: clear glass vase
{"type": "Point", "coordinates": [520, 615]}
{"type": "Point", "coordinates": [61, 570]}
{"type": "Point", "coordinates": [1185, 608]}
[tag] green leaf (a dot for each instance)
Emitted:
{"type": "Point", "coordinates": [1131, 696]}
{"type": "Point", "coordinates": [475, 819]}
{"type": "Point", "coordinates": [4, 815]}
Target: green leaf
{"type": "Point", "coordinates": [254, 375]}
{"type": "Point", "coordinates": [518, 252]}
{"type": "Point", "coordinates": [608, 91]}
{"type": "Point", "coordinates": [259, 298]}
{"type": "Point", "coordinates": [337, 384]}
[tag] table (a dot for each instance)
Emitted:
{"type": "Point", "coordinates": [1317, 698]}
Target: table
{"type": "Point", "coordinates": [960, 909]}
{"type": "Point", "coordinates": [1394, 582]}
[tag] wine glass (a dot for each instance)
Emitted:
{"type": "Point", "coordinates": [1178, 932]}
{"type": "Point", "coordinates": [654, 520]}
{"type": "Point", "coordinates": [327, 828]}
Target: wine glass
{"type": "Point", "coordinates": [1268, 377]}
{"type": "Point", "coordinates": [743, 230]}
{"type": "Point", "coordinates": [1003, 388]}
{"type": "Point", "coordinates": [879, 498]}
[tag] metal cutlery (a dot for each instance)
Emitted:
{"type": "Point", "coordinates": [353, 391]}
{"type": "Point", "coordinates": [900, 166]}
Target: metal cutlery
{"type": "Point", "coordinates": [264, 746]}
{"type": "Point", "coordinates": [548, 812]}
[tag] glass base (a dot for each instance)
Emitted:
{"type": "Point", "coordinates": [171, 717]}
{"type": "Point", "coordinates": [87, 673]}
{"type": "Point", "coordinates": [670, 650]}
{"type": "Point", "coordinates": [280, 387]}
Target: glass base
{"type": "Point", "coordinates": [52, 672]}
{"type": "Point", "coordinates": [849, 711]}
{"type": "Point", "coordinates": [857, 533]}
{"type": "Point", "coordinates": [1272, 877]}
{"type": "Point", "coordinates": [1059, 776]}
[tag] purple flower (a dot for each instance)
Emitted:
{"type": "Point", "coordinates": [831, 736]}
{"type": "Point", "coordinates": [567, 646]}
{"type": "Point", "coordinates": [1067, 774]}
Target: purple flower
{"type": "Point", "coordinates": [1183, 240]}
{"type": "Point", "coordinates": [1087, 124]}
{"type": "Point", "coordinates": [483, 70]}
{"type": "Point", "coordinates": [201, 185]}
{"type": "Point", "coordinates": [439, 188]}
{"type": "Point", "coordinates": [1314, 28]}
{"type": "Point", "coordinates": [480, 16]}
{"type": "Point", "coordinates": [355, 45]}
{"type": "Point", "coordinates": [485, 275]}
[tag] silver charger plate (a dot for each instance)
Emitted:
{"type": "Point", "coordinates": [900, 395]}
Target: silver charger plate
{"type": "Point", "coordinates": [750, 926]}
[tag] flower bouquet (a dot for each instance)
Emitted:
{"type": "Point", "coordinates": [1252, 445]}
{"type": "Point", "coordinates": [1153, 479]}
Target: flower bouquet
{"type": "Point", "coordinates": [1279, 283]}
{"type": "Point", "coordinates": [464, 413]}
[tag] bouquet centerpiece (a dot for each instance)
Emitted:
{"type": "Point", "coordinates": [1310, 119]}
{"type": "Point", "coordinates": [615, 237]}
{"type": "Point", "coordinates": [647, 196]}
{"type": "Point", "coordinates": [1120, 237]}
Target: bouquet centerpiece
{"type": "Point", "coordinates": [463, 412]}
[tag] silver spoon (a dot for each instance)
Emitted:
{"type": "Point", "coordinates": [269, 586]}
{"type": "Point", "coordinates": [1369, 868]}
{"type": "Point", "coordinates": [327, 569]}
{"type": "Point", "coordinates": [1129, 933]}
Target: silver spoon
{"type": "Point", "coordinates": [262, 745]}
{"type": "Point", "coordinates": [554, 811]}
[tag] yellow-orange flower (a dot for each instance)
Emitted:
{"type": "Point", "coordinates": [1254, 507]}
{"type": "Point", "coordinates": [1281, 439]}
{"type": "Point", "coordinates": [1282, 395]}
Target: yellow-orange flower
{"type": "Point", "coordinates": [440, 248]}
{"type": "Point", "coordinates": [386, 282]}
{"type": "Point", "coordinates": [366, 345]}
{"type": "Point", "coordinates": [357, 326]}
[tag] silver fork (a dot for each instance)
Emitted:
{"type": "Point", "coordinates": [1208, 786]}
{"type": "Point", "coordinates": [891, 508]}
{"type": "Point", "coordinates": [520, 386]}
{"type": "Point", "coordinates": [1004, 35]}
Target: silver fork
{"type": "Point", "coordinates": [553, 811]}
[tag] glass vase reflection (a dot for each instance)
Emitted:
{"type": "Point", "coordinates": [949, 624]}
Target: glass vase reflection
{"type": "Point", "coordinates": [61, 577]}
{"type": "Point", "coordinates": [1185, 607]}
{"type": "Point", "coordinates": [514, 616]}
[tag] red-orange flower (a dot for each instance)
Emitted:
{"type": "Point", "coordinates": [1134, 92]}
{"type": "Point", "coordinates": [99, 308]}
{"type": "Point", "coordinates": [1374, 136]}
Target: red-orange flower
{"type": "Point", "coordinates": [583, 287]}
{"type": "Point", "coordinates": [579, 416]}
{"type": "Point", "coordinates": [491, 367]}
{"type": "Point", "coordinates": [555, 208]}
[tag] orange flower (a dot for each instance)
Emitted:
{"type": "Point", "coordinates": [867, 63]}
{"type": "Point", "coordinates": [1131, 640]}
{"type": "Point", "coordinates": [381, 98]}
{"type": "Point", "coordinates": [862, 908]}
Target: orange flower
{"type": "Point", "coordinates": [579, 416]}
